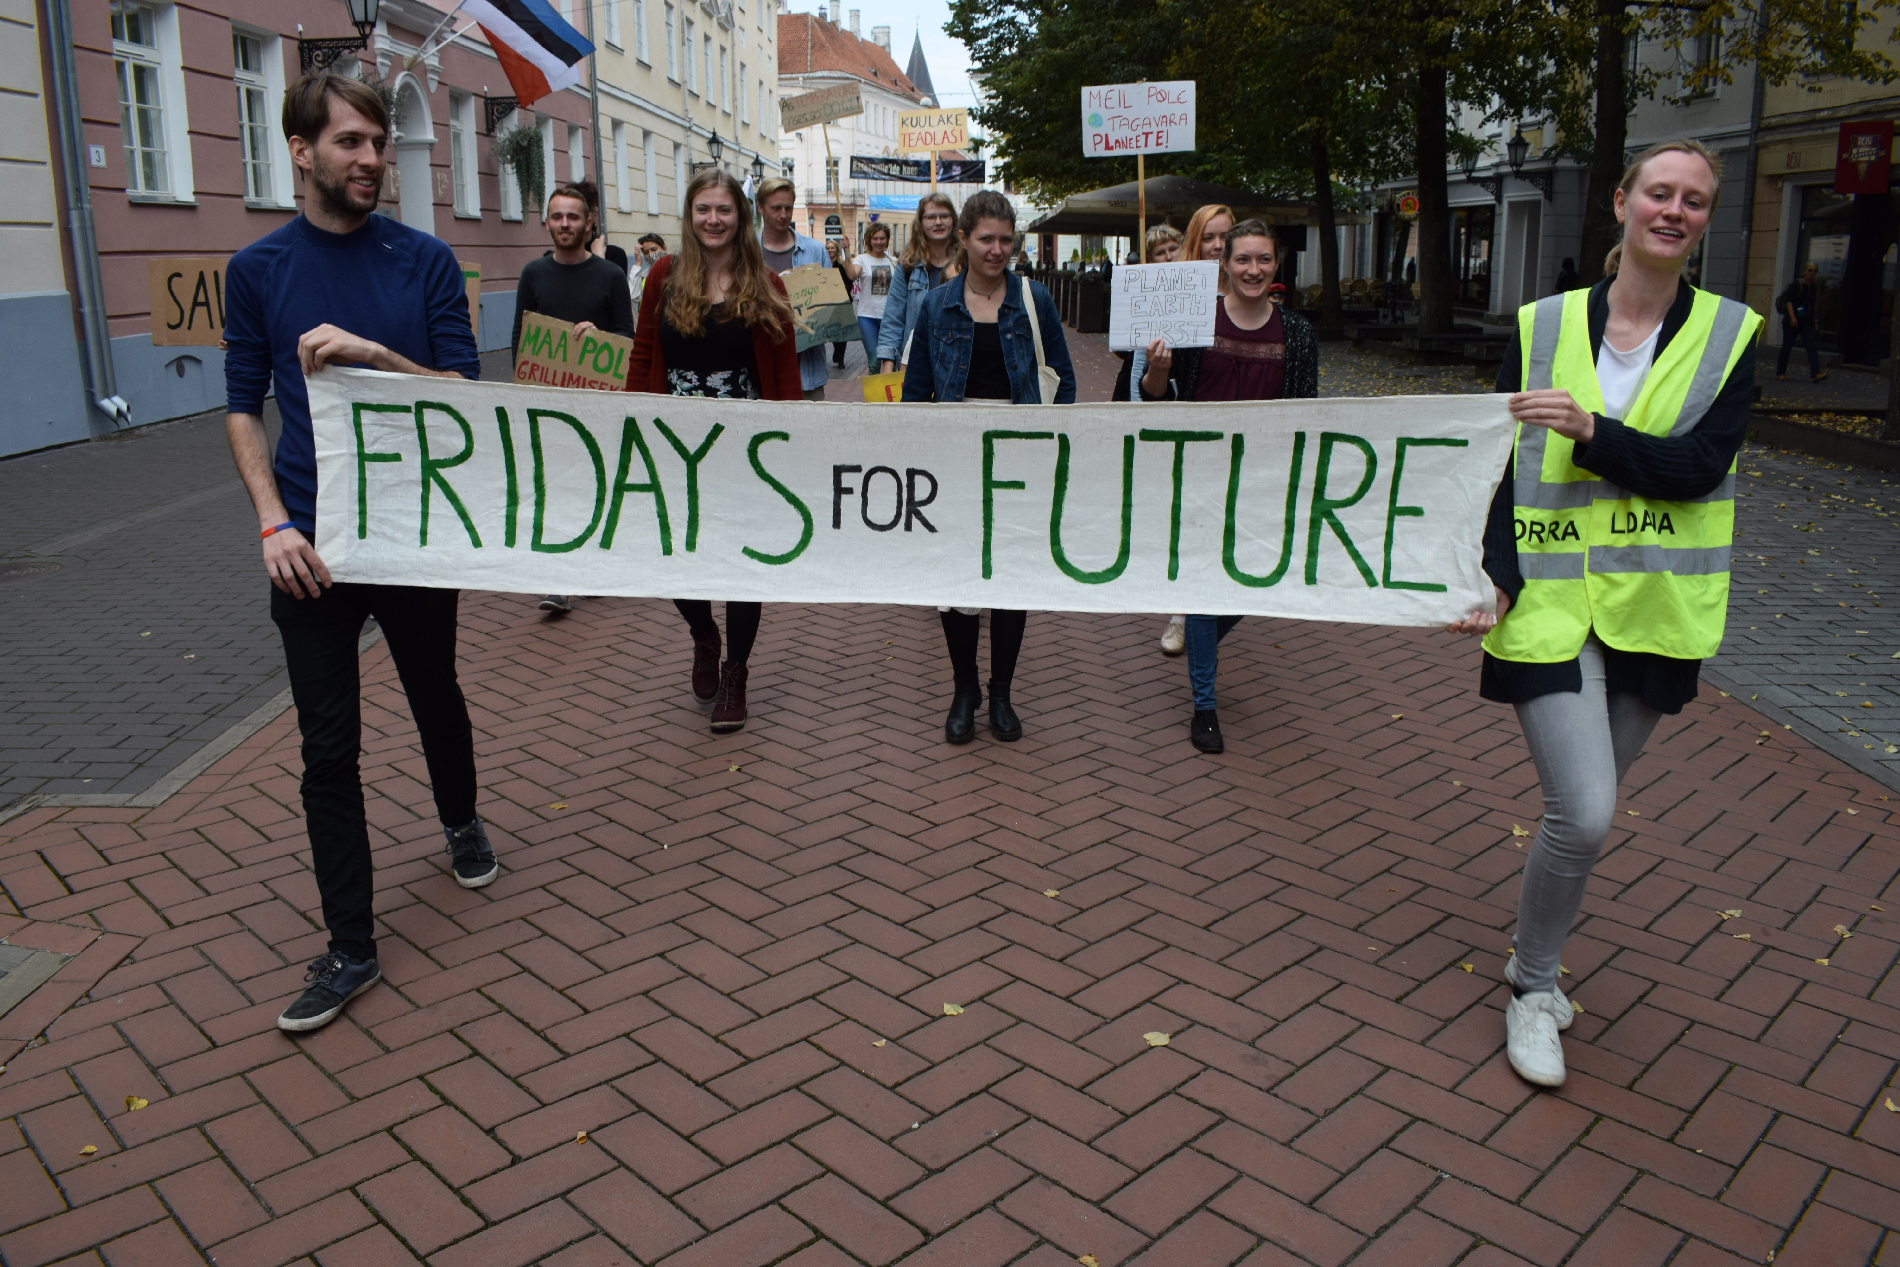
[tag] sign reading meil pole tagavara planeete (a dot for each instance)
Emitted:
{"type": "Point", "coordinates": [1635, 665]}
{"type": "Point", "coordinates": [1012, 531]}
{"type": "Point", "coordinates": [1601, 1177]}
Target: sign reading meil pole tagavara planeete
{"type": "Point", "coordinates": [1140, 119]}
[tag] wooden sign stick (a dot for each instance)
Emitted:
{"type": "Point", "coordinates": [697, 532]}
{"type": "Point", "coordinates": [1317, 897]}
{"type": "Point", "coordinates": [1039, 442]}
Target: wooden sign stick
{"type": "Point", "coordinates": [1141, 207]}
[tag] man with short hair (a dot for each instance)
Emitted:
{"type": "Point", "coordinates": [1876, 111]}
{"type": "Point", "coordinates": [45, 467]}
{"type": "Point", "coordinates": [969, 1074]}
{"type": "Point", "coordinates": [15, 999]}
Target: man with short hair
{"type": "Point", "coordinates": [571, 283]}
{"type": "Point", "coordinates": [786, 250]}
{"type": "Point", "coordinates": [340, 285]}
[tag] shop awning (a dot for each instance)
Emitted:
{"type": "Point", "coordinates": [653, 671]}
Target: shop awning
{"type": "Point", "coordinates": [1111, 210]}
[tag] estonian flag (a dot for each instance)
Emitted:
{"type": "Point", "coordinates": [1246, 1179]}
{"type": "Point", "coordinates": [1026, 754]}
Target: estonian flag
{"type": "Point", "coordinates": [540, 53]}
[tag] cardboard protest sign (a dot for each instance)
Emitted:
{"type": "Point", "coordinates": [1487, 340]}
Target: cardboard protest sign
{"type": "Point", "coordinates": [1340, 510]}
{"type": "Point", "coordinates": [1145, 118]}
{"type": "Point", "coordinates": [472, 285]}
{"type": "Point", "coordinates": [821, 302]}
{"type": "Point", "coordinates": [552, 355]}
{"type": "Point", "coordinates": [820, 107]}
{"type": "Point", "coordinates": [187, 297]}
{"type": "Point", "coordinates": [883, 389]}
{"type": "Point", "coordinates": [1163, 301]}
{"type": "Point", "coordinates": [923, 130]}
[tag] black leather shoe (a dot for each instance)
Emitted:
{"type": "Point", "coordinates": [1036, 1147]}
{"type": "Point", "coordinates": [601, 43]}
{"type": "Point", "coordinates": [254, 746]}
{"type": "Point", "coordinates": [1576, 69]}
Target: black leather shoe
{"type": "Point", "coordinates": [1004, 723]}
{"type": "Point", "coordinates": [1206, 735]}
{"type": "Point", "coordinates": [960, 725]}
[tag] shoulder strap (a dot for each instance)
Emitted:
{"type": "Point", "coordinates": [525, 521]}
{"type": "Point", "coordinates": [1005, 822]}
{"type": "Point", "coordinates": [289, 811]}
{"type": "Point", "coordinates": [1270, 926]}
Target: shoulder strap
{"type": "Point", "coordinates": [1035, 326]}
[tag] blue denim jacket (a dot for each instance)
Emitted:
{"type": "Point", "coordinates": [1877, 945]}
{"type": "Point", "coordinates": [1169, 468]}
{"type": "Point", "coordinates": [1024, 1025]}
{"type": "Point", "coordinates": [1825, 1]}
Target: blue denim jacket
{"type": "Point", "coordinates": [945, 330]}
{"type": "Point", "coordinates": [908, 288]}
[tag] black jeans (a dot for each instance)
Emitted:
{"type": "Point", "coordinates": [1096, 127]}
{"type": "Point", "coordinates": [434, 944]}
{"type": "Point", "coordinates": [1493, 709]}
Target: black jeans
{"type": "Point", "coordinates": [320, 637]}
{"type": "Point", "coordinates": [1006, 644]}
{"type": "Point", "coordinates": [1806, 336]}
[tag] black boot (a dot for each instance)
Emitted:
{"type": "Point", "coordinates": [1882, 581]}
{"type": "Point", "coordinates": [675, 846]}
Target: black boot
{"type": "Point", "coordinates": [960, 725]}
{"type": "Point", "coordinates": [1004, 723]}
{"type": "Point", "coordinates": [1206, 735]}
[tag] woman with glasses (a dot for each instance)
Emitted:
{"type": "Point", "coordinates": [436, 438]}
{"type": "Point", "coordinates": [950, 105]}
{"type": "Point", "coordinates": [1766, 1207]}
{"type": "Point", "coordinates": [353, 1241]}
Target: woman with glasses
{"type": "Point", "coordinates": [926, 263]}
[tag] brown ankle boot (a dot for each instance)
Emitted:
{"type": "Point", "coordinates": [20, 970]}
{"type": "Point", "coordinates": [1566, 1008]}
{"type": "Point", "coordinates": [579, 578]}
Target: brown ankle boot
{"type": "Point", "coordinates": [706, 669]}
{"type": "Point", "coordinates": [729, 707]}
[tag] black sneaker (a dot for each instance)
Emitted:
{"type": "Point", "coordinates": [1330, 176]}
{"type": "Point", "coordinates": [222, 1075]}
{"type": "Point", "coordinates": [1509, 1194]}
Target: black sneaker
{"type": "Point", "coordinates": [334, 980]}
{"type": "Point", "coordinates": [556, 603]}
{"type": "Point", "coordinates": [1206, 734]}
{"type": "Point", "coordinates": [470, 856]}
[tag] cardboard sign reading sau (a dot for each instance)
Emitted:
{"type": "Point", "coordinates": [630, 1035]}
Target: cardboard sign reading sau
{"type": "Point", "coordinates": [1146, 118]}
{"type": "Point", "coordinates": [820, 107]}
{"type": "Point", "coordinates": [187, 301]}
{"type": "Point", "coordinates": [821, 302]}
{"type": "Point", "coordinates": [553, 355]}
{"type": "Point", "coordinates": [928, 130]}
{"type": "Point", "coordinates": [1174, 302]}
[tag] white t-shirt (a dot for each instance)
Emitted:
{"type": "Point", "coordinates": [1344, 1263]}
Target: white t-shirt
{"type": "Point", "coordinates": [1620, 374]}
{"type": "Point", "coordinates": [874, 284]}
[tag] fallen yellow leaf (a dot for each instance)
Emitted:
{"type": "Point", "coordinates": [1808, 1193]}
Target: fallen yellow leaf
{"type": "Point", "coordinates": [558, 805]}
{"type": "Point", "coordinates": [1518, 831]}
{"type": "Point", "coordinates": [1575, 1006]}
{"type": "Point", "coordinates": [1822, 962]}
{"type": "Point", "coordinates": [580, 1137]}
{"type": "Point", "coordinates": [1840, 930]}
{"type": "Point", "coordinates": [951, 1009]}
{"type": "Point", "coordinates": [1467, 967]}
{"type": "Point", "coordinates": [1088, 1260]}
{"type": "Point", "coordinates": [1562, 971]}
{"type": "Point", "coordinates": [1052, 892]}
{"type": "Point", "coordinates": [880, 1042]}
{"type": "Point", "coordinates": [1728, 915]}
{"type": "Point", "coordinates": [732, 769]}
{"type": "Point", "coordinates": [1741, 937]}
{"type": "Point", "coordinates": [1855, 811]}
{"type": "Point", "coordinates": [1155, 1038]}
{"type": "Point", "coordinates": [1891, 1106]}
{"type": "Point", "coordinates": [135, 1103]}
{"type": "Point", "coordinates": [1456, 783]}
{"type": "Point", "coordinates": [88, 1150]}
{"type": "Point", "coordinates": [1870, 906]}
{"type": "Point", "coordinates": [1632, 813]}
{"type": "Point", "coordinates": [1401, 716]}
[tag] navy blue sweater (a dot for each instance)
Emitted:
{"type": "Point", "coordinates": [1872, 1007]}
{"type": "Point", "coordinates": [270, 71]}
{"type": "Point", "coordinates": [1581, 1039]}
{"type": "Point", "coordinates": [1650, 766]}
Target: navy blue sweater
{"type": "Point", "coordinates": [385, 282]}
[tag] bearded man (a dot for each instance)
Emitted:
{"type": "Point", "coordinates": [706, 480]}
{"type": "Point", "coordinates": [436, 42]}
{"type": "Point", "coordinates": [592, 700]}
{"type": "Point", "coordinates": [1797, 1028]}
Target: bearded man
{"type": "Point", "coordinates": [340, 285]}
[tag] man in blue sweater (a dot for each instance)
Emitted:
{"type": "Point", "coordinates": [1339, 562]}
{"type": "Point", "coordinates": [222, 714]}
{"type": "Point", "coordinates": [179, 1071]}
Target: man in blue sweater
{"type": "Point", "coordinates": [340, 285]}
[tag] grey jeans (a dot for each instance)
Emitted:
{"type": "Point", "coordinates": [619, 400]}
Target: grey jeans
{"type": "Point", "coordinates": [1582, 745]}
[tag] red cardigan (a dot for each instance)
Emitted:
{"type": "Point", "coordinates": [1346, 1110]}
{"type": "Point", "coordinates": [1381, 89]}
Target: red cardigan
{"type": "Point", "coordinates": [777, 362]}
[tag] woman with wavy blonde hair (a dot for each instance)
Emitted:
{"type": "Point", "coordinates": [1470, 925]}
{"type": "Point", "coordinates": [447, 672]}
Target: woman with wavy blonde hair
{"type": "Point", "coordinates": [714, 321]}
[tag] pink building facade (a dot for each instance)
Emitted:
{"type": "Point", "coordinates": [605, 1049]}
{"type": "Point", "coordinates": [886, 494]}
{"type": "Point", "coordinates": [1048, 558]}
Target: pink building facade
{"type": "Point", "coordinates": [172, 111]}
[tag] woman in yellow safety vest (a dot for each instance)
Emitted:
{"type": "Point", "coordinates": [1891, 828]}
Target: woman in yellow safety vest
{"type": "Point", "coordinates": [1608, 543]}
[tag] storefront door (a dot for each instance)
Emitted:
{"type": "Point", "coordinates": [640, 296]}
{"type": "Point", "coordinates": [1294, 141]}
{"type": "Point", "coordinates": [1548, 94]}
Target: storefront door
{"type": "Point", "coordinates": [1471, 234]}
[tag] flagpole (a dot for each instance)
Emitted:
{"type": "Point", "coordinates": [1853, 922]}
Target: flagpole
{"type": "Point", "coordinates": [424, 46]}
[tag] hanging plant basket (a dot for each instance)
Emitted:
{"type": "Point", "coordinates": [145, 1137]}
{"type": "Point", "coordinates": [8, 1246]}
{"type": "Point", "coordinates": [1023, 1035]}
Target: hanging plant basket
{"type": "Point", "coordinates": [519, 149]}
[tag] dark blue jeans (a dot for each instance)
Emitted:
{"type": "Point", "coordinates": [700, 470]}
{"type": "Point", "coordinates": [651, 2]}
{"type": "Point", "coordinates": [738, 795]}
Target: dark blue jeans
{"type": "Point", "coordinates": [1203, 650]}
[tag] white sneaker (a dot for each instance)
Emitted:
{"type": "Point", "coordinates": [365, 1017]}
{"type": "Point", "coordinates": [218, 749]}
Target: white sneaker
{"type": "Point", "coordinates": [1569, 1013]}
{"type": "Point", "coordinates": [1174, 637]}
{"type": "Point", "coordinates": [1530, 1037]}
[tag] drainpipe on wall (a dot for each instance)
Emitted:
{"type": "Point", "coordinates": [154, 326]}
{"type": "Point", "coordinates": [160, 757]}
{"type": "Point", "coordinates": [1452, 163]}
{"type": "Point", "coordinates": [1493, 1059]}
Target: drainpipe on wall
{"type": "Point", "coordinates": [1754, 158]}
{"type": "Point", "coordinates": [101, 383]}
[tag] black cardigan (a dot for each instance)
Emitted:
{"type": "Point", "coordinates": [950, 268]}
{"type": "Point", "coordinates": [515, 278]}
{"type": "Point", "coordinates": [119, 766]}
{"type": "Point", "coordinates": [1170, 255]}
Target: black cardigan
{"type": "Point", "coordinates": [1676, 468]}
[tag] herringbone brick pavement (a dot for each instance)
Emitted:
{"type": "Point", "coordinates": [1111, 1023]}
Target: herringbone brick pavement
{"type": "Point", "coordinates": [726, 960]}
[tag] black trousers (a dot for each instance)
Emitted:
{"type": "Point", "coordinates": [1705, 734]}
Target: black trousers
{"type": "Point", "coordinates": [320, 638]}
{"type": "Point", "coordinates": [1006, 644]}
{"type": "Point", "coordinates": [1805, 336]}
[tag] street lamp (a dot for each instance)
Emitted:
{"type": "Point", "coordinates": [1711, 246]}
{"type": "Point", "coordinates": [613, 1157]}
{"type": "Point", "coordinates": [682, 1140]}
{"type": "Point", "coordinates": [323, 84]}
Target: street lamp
{"type": "Point", "coordinates": [758, 168]}
{"type": "Point", "coordinates": [1517, 150]}
{"type": "Point", "coordinates": [715, 147]}
{"type": "Point", "coordinates": [1470, 163]}
{"type": "Point", "coordinates": [363, 15]}
{"type": "Point", "coordinates": [322, 54]}
{"type": "Point", "coordinates": [788, 165]}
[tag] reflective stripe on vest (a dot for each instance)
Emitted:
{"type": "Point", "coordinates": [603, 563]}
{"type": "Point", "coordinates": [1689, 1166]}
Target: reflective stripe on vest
{"type": "Point", "coordinates": [1646, 574]}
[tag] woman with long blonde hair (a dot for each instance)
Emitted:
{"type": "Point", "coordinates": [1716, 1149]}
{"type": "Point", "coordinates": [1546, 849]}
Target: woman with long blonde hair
{"type": "Point", "coordinates": [714, 321]}
{"type": "Point", "coordinates": [925, 265]}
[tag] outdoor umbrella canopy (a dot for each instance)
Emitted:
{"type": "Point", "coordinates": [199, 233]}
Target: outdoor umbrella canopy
{"type": "Point", "coordinates": [1111, 210]}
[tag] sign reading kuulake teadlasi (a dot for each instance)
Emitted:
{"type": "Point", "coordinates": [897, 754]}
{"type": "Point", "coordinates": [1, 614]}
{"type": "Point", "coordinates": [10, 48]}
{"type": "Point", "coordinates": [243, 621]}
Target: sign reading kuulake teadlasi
{"type": "Point", "coordinates": [922, 131]}
{"type": "Point", "coordinates": [1144, 118]}
{"type": "Point", "coordinates": [553, 354]}
{"type": "Point", "coordinates": [1173, 302]}
{"type": "Point", "coordinates": [1345, 510]}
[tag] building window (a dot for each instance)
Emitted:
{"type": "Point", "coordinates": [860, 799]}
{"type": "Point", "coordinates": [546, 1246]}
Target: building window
{"type": "Point", "coordinates": [462, 170]}
{"type": "Point", "coordinates": [692, 59]}
{"type": "Point", "coordinates": [745, 116]}
{"type": "Point", "coordinates": [576, 154]}
{"type": "Point", "coordinates": [672, 46]}
{"type": "Point", "coordinates": [711, 83]}
{"type": "Point", "coordinates": [679, 177]}
{"type": "Point", "coordinates": [510, 191]}
{"type": "Point", "coordinates": [623, 189]}
{"type": "Point", "coordinates": [725, 84]}
{"type": "Point", "coordinates": [1705, 53]}
{"type": "Point", "coordinates": [253, 98]}
{"type": "Point", "coordinates": [831, 175]}
{"type": "Point", "coordinates": [640, 32]}
{"type": "Point", "coordinates": [135, 54]}
{"type": "Point", "coordinates": [613, 22]}
{"type": "Point", "coordinates": [765, 120]}
{"type": "Point", "coordinates": [650, 172]}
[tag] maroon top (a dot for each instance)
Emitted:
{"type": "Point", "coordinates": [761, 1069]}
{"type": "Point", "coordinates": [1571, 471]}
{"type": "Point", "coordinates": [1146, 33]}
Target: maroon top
{"type": "Point", "coordinates": [1243, 364]}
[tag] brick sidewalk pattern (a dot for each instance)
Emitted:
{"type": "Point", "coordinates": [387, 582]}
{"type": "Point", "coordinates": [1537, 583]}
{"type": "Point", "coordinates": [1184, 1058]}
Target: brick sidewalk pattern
{"type": "Point", "coordinates": [725, 959]}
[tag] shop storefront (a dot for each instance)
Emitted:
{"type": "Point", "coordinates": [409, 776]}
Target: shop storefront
{"type": "Point", "coordinates": [1850, 240]}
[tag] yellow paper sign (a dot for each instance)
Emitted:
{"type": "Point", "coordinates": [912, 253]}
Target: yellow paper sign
{"type": "Point", "coordinates": [472, 284]}
{"type": "Point", "coordinates": [883, 389]}
{"type": "Point", "coordinates": [922, 130]}
{"type": "Point", "coordinates": [553, 355]}
{"type": "Point", "coordinates": [187, 297]}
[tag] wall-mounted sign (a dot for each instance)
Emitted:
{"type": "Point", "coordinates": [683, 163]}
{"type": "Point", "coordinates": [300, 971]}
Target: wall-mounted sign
{"type": "Point", "coordinates": [1863, 158]}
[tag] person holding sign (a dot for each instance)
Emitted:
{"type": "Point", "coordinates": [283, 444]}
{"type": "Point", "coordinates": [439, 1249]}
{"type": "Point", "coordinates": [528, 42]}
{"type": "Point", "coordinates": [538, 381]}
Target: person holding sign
{"type": "Point", "coordinates": [714, 321]}
{"type": "Point", "coordinates": [571, 283]}
{"type": "Point", "coordinates": [927, 256]}
{"type": "Point", "coordinates": [987, 335]}
{"type": "Point", "coordinates": [871, 270]}
{"type": "Point", "coordinates": [1608, 543]}
{"type": "Point", "coordinates": [340, 285]}
{"type": "Point", "coordinates": [1261, 352]}
{"type": "Point", "coordinates": [1163, 246]}
{"type": "Point", "coordinates": [786, 250]}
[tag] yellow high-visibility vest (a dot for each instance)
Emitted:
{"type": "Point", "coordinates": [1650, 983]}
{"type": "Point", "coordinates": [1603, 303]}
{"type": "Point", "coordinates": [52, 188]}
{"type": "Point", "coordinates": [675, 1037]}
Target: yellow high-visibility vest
{"type": "Point", "coordinates": [1647, 574]}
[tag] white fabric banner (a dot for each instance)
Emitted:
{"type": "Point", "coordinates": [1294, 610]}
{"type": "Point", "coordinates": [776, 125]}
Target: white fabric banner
{"type": "Point", "coordinates": [1366, 510]}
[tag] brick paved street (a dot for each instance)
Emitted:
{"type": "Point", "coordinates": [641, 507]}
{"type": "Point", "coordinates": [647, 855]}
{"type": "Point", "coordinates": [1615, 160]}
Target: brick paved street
{"type": "Point", "coordinates": [726, 959]}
